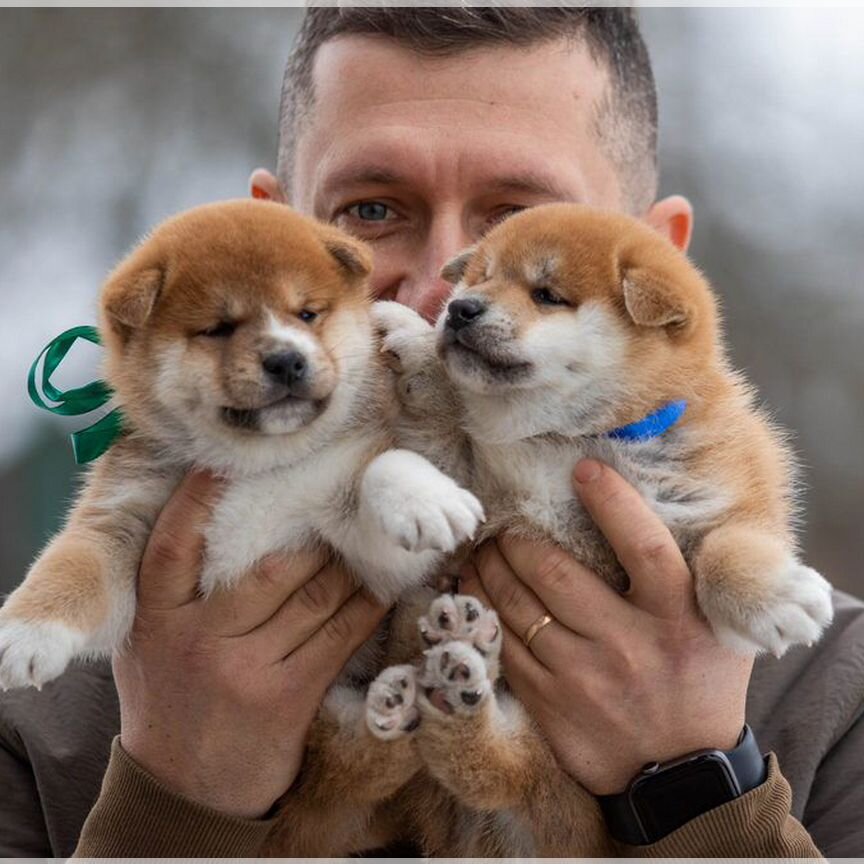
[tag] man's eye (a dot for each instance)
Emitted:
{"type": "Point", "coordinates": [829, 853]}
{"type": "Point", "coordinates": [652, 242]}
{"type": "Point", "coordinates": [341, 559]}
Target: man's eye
{"type": "Point", "coordinates": [545, 297]}
{"type": "Point", "coordinates": [498, 216]}
{"type": "Point", "coordinates": [219, 331]}
{"type": "Point", "coordinates": [371, 211]}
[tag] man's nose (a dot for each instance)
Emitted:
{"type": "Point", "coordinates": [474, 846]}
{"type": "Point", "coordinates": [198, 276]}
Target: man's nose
{"type": "Point", "coordinates": [423, 289]}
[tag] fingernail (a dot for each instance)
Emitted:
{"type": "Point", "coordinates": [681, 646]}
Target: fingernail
{"type": "Point", "coordinates": [258, 192]}
{"type": "Point", "coordinates": [586, 471]}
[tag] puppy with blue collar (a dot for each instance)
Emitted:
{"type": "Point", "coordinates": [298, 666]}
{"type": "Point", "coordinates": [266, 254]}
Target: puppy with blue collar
{"type": "Point", "coordinates": [575, 333]}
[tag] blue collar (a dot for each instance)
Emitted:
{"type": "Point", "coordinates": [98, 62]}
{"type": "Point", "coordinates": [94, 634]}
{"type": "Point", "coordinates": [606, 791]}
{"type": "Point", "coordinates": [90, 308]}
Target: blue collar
{"type": "Point", "coordinates": [652, 426]}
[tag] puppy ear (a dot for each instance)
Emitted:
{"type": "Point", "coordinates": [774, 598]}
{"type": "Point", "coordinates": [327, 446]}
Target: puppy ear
{"type": "Point", "coordinates": [129, 297]}
{"type": "Point", "coordinates": [353, 257]}
{"type": "Point", "coordinates": [455, 268]}
{"type": "Point", "coordinates": [653, 301]}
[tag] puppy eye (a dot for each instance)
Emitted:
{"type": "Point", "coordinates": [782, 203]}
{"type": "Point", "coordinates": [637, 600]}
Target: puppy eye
{"type": "Point", "coordinates": [219, 331]}
{"type": "Point", "coordinates": [545, 297]}
{"type": "Point", "coordinates": [307, 315]}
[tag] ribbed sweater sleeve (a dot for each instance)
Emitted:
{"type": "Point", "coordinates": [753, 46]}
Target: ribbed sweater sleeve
{"type": "Point", "coordinates": [136, 816]}
{"type": "Point", "coordinates": [756, 825]}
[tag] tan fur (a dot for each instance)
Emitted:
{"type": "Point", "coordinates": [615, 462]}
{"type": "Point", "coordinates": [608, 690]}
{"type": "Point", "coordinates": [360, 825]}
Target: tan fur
{"type": "Point", "coordinates": [457, 787]}
{"type": "Point", "coordinates": [83, 599]}
{"type": "Point", "coordinates": [722, 479]}
{"type": "Point", "coordinates": [462, 784]}
{"type": "Point", "coordinates": [221, 261]}
{"type": "Point", "coordinates": [190, 320]}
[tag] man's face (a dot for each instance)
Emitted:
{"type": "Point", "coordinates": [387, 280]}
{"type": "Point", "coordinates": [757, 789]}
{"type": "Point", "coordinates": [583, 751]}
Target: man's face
{"type": "Point", "coordinates": [420, 156]}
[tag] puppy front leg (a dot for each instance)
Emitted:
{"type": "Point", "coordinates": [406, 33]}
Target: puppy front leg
{"type": "Point", "coordinates": [79, 596]}
{"type": "Point", "coordinates": [56, 612]}
{"type": "Point", "coordinates": [430, 420]}
{"type": "Point", "coordinates": [361, 752]}
{"type": "Point", "coordinates": [755, 593]}
{"type": "Point", "coordinates": [408, 515]}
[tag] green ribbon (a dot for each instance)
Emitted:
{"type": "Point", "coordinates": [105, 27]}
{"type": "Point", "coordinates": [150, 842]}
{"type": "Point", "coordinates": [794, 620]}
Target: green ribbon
{"type": "Point", "coordinates": [94, 440]}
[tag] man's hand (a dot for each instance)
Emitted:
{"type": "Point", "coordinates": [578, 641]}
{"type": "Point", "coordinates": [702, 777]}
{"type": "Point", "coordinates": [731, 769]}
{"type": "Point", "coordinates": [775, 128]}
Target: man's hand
{"type": "Point", "coordinates": [217, 695]}
{"type": "Point", "coordinates": [614, 682]}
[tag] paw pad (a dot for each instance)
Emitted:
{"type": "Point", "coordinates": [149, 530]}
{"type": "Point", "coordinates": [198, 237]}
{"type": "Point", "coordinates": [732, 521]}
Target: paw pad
{"type": "Point", "coordinates": [453, 678]}
{"type": "Point", "coordinates": [391, 711]}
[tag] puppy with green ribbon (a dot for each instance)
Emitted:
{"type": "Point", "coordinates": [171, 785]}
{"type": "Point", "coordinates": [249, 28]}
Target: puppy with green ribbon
{"type": "Point", "coordinates": [239, 338]}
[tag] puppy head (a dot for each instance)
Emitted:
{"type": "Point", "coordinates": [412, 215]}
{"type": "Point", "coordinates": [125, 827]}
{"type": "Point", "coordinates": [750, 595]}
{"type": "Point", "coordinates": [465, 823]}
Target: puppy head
{"type": "Point", "coordinates": [235, 322]}
{"type": "Point", "coordinates": [581, 308]}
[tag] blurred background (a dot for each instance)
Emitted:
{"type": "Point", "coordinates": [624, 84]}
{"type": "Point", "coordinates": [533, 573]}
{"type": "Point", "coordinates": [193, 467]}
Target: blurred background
{"type": "Point", "coordinates": [113, 119]}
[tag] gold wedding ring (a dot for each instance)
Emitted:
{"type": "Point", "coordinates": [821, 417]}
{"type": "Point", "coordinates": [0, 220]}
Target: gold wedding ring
{"type": "Point", "coordinates": [535, 628]}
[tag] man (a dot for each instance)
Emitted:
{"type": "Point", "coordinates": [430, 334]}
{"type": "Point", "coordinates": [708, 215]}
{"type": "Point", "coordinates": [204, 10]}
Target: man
{"type": "Point", "coordinates": [417, 130]}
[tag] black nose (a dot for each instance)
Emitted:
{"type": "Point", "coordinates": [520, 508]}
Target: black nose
{"type": "Point", "coordinates": [461, 313]}
{"type": "Point", "coordinates": [287, 368]}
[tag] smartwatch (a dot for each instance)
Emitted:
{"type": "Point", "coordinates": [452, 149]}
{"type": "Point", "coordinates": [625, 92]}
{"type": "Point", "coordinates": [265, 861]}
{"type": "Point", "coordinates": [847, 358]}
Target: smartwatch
{"type": "Point", "coordinates": [663, 796]}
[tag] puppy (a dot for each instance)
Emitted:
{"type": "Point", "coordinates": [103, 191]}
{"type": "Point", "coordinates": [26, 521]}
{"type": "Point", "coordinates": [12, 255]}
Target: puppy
{"type": "Point", "coordinates": [238, 338]}
{"type": "Point", "coordinates": [574, 333]}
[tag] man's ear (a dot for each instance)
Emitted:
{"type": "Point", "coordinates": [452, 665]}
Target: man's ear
{"type": "Point", "coordinates": [653, 301]}
{"type": "Point", "coordinates": [455, 268]}
{"type": "Point", "coordinates": [673, 218]}
{"type": "Point", "coordinates": [129, 297]}
{"type": "Point", "coordinates": [263, 185]}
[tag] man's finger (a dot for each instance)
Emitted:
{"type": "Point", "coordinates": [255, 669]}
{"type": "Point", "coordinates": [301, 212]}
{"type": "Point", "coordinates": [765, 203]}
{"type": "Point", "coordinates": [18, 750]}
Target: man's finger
{"type": "Point", "coordinates": [259, 594]}
{"type": "Point", "coordinates": [171, 563]}
{"type": "Point", "coordinates": [324, 654]}
{"type": "Point", "coordinates": [528, 678]}
{"type": "Point", "coordinates": [575, 596]}
{"type": "Point", "coordinates": [514, 652]}
{"type": "Point", "coordinates": [520, 609]}
{"type": "Point", "coordinates": [660, 582]}
{"type": "Point", "coordinates": [304, 612]}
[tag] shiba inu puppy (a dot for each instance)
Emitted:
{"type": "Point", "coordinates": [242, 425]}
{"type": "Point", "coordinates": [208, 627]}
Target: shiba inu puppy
{"type": "Point", "coordinates": [575, 333]}
{"type": "Point", "coordinates": [238, 337]}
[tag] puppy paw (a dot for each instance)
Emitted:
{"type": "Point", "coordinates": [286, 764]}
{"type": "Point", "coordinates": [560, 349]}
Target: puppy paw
{"type": "Point", "coordinates": [453, 679]}
{"type": "Point", "coordinates": [33, 653]}
{"type": "Point", "coordinates": [406, 339]}
{"type": "Point", "coordinates": [391, 709]}
{"type": "Point", "coordinates": [793, 610]}
{"type": "Point", "coordinates": [417, 506]}
{"type": "Point", "coordinates": [456, 617]}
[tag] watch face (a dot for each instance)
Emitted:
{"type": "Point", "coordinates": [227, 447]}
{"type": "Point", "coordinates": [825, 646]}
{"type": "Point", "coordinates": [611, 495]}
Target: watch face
{"type": "Point", "coordinates": [666, 800]}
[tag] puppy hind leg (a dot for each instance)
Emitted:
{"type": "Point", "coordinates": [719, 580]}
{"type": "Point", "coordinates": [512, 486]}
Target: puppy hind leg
{"type": "Point", "coordinates": [462, 618]}
{"type": "Point", "coordinates": [494, 759]}
{"type": "Point", "coordinates": [565, 818]}
{"type": "Point", "coordinates": [346, 773]}
{"type": "Point", "coordinates": [474, 748]}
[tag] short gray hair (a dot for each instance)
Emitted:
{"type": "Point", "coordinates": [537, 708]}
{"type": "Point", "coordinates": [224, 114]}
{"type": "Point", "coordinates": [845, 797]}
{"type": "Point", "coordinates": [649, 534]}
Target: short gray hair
{"type": "Point", "coordinates": [625, 118]}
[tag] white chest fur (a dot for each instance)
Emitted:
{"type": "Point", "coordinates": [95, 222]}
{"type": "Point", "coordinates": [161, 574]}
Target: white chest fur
{"type": "Point", "coordinates": [286, 508]}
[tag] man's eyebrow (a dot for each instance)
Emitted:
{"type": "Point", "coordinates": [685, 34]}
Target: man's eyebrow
{"type": "Point", "coordinates": [355, 175]}
{"type": "Point", "coordinates": [524, 182]}
{"type": "Point", "coordinates": [532, 184]}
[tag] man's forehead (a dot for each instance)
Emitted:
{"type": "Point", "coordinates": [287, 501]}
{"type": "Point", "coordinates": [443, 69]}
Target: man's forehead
{"type": "Point", "coordinates": [369, 65]}
{"type": "Point", "coordinates": [380, 108]}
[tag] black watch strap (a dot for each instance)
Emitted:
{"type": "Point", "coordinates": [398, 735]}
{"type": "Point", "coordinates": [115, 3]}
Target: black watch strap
{"type": "Point", "coordinates": [663, 797]}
